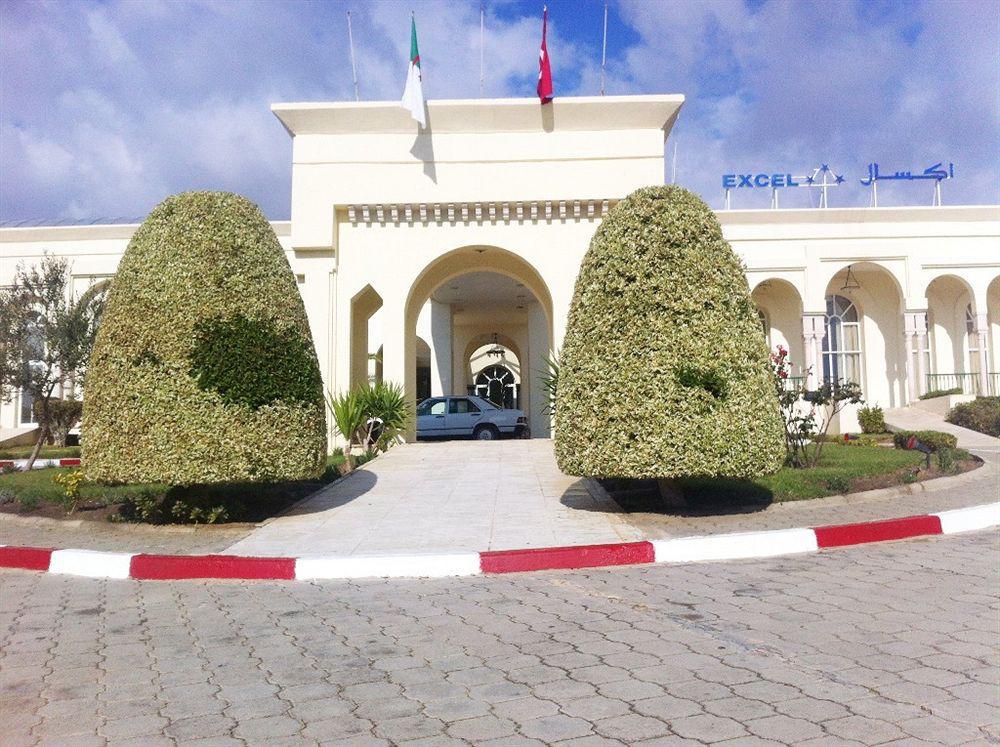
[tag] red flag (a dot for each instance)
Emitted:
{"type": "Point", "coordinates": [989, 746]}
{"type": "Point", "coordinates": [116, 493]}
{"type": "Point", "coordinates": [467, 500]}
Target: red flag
{"type": "Point", "coordinates": [544, 71]}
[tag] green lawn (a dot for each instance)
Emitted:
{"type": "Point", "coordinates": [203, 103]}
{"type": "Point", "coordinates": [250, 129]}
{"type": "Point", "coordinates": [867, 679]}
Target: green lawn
{"type": "Point", "coordinates": [48, 452]}
{"type": "Point", "coordinates": [840, 469]}
{"type": "Point", "coordinates": [162, 504]}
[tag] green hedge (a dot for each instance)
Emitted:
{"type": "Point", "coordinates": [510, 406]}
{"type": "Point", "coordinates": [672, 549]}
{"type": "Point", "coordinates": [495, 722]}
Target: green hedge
{"type": "Point", "coordinates": [664, 370]}
{"type": "Point", "coordinates": [935, 393]}
{"type": "Point", "coordinates": [204, 369]}
{"type": "Point", "coordinates": [982, 414]}
{"type": "Point", "coordinates": [933, 440]}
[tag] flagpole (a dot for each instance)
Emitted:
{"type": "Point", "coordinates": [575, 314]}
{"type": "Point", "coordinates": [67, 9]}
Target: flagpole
{"type": "Point", "coordinates": [354, 67]}
{"type": "Point", "coordinates": [482, 25]}
{"type": "Point", "coordinates": [604, 46]}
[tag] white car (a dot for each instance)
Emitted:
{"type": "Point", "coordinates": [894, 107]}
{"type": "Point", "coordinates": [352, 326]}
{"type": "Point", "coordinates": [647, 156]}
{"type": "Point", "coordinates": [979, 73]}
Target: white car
{"type": "Point", "coordinates": [468, 416]}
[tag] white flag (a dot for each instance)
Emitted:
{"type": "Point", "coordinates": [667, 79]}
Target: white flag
{"type": "Point", "coordinates": [413, 94]}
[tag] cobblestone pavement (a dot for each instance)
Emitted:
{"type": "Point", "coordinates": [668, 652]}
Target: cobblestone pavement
{"type": "Point", "coordinates": [882, 644]}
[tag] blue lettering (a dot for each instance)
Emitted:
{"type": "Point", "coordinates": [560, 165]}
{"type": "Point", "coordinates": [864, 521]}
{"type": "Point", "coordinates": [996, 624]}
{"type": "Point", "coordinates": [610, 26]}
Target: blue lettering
{"type": "Point", "coordinates": [728, 181]}
{"type": "Point", "coordinates": [777, 180]}
{"type": "Point", "coordinates": [760, 180]}
{"type": "Point", "coordinates": [745, 180]}
{"type": "Point", "coordinates": [789, 182]}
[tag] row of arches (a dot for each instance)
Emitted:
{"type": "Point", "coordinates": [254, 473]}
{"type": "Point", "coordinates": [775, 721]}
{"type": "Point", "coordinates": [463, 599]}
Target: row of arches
{"type": "Point", "coordinates": [869, 336]}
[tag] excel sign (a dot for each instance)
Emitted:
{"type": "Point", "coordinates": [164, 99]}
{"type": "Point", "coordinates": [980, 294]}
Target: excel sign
{"type": "Point", "coordinates": [749, 181]}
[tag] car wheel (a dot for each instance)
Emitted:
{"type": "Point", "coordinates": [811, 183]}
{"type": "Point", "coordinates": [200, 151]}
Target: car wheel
{"type": "Point", "coordinates": [485, 433]}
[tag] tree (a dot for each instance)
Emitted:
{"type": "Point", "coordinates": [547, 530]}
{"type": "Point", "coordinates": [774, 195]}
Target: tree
{"type": "Point", "coordinates": [47, 338]}
{"type": "Point", "coordinates": [664, 369]}
{"type": "Point", "coordinates": [204, 369]}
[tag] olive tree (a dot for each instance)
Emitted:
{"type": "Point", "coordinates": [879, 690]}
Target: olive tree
{"type": "Point", "coordinates": [46, 336]}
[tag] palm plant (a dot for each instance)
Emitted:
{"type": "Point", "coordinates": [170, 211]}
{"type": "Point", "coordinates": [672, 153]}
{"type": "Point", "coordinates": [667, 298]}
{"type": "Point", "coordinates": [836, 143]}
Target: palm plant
{"type": "Point", "coordinates": [550, 380]}
{"type": "Point", "coordinates": [387, 410]}
{"type": "Point", "coordinates": [349, 417]}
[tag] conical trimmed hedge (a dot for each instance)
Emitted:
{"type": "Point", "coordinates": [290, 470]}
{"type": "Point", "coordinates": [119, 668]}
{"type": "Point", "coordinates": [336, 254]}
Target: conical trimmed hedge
{"type": "Point", "coordinates": [204, 369]}
{"type": "Point", "coordinates": [664, 368]}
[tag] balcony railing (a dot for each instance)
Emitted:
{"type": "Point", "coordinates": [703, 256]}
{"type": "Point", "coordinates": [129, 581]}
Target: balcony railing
{"type": "Point", "coordinates": [967, 382]}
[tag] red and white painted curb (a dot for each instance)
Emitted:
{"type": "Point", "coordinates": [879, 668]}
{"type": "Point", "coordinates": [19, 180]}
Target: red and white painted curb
{"type": "Point", "coordinates": [20, 464]}
{"type": "Point", "coordinates": [766, 544]}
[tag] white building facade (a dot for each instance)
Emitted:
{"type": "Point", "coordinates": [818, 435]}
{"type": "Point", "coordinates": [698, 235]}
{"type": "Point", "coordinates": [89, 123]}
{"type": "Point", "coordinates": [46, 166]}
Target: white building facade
{"type": "Point", "coordinates": [445, 259]}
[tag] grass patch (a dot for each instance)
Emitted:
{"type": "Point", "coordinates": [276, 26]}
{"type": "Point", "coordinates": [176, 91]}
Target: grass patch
{"type": "Point", "coordinates": [47, 452]}
{"type": "Point", "coordinates": [842, 469]}
{"type": "Point", "coordinates": [37, 493]}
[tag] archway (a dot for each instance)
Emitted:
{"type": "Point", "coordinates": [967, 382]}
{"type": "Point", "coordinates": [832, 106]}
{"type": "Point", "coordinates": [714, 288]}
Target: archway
{"type": "Point", "coordinates": [364, 304]}
{"type": "Point", "coordinates": [490, 293]}
{"type": "Point", "coordinates": [954, 348]}
{"type": "Point", "coordinates": [864, 339]}
{"type": "Point", "coordinates": [780, 307]}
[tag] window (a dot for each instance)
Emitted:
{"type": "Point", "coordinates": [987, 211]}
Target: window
{"type": "Point", "coordinates": [431, 407]}
{"type": "Point", "coordinates": [842, 343]}
{"type": "Point", "coordinates": [973, 339]}
{"type": "Point", "coordinates": [461, 407]}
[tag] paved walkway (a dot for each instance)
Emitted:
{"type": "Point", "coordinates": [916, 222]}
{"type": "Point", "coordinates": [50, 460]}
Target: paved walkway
{"type": "Point", "coordinates": [453, 496]}
{"type": "Point", "coordinates": [915, 419]}
{"type": "Point", "coordinates": [866, 645]}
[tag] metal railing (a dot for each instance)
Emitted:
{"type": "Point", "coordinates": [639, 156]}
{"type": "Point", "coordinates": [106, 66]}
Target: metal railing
{"type": "Point", "coordinates": [967, 382]}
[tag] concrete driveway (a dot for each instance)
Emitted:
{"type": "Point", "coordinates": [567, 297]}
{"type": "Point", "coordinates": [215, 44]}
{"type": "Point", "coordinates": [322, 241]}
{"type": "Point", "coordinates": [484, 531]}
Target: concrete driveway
{"type": "Point", "coordinates": [450, 496]}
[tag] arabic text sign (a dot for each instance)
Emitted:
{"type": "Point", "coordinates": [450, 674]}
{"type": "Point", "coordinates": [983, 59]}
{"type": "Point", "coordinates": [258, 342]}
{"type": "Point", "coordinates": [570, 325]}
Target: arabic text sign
{"type": "Point", "coordinates": [934, 172]}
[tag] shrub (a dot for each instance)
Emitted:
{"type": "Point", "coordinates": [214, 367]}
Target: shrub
{"type": "Point", "coordinates": [933, 440]}
{"type": "Point", "coordinates": [370, 417]}
{"type": "Point", "coordinates": [204, 370]}
{"type": "Point", "coordinates": [871, 419]}
{"type": "Point", "coordinates": [664, 371]}
{"type": "Point", "coordinates": [941, 392]}
{"type": "Point", "coordinates": [982, 414]}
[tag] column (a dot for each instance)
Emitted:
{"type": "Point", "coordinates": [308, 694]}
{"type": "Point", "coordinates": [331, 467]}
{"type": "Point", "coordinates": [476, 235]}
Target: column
{"type": "Point", "coordinates": [982, 330]}
{"type": "Point", "coordinates": [813, 332]}
{"type": "Point", "coordinates": [923, 347]}
{"type": "Point", "coordinates": [915, 337]}
{"type": "Point", "coordinates": [441, 341]}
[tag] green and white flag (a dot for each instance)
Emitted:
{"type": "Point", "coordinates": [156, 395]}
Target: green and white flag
{"type": "Point", "coordinates": [413, 95]}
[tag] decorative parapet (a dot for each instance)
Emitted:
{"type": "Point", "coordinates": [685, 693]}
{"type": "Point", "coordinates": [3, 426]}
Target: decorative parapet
{"type": "Point", "coordinates": [479, 212]}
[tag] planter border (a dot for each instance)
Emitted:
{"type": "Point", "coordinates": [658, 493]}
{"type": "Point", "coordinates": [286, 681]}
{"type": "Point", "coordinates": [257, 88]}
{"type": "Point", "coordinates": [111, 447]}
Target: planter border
{"type": "Point", "coordinates": [736, 546]}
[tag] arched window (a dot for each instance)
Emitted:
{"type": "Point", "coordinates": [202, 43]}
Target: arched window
{"type": "Point", "coordinates": [842, 342]}
{"type": "Point", "coordinates": [973, 339]}
{"type": "Point", "coordinates": [496, 383]}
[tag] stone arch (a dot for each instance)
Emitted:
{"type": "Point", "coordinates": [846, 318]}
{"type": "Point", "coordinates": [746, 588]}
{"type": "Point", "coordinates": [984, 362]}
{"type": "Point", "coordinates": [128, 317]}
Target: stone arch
{"type": "Point", "coordinates": [364, 304]}
{"type": "Point", "coordinates": [949, 297]}
{"type": "Point", "coordinates": [880, 300]}
{"type": "Point", "coordinates": [780, 302]}
{"type": "Point", "coordinates": [474, 259]}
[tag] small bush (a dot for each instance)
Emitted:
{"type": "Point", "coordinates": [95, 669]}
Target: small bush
{"type": "Point", "coordinates": [872, 419]}
{"type": "Point", "coordinates": [933, 440]}
{"type": "Point", "coordinates": [941, 392]}
{"type": "Point", "coordinates": [946, 460]}
{"type": "Point", "coordinates": [867, 439]}
{"type": "Point", "coordinates": [838, 484]}
{"type": "Point", "coordinates": [982, 414]}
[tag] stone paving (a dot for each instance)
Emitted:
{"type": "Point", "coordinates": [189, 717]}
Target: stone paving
{"type": "Point", "coordinates": [882, 644]}
{"type": "Point", "coordinates": [447, 496]}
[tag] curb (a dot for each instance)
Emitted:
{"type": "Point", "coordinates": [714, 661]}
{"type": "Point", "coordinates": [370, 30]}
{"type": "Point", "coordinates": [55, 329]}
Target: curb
{"type": "Point", "coordinates": [737, 546]}
{"type": "Point", "coordinates": [20, 464]}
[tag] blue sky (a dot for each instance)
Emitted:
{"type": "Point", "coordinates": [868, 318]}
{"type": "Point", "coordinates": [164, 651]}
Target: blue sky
{"type": "Point", "coordinates": [108, 107]}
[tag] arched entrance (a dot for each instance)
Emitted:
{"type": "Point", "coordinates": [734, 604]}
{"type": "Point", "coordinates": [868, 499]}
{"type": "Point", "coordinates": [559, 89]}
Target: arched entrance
{"type": "Point", "coordinates": [498, 330]}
